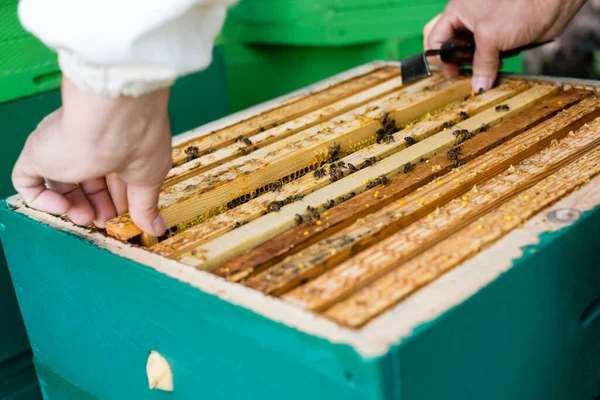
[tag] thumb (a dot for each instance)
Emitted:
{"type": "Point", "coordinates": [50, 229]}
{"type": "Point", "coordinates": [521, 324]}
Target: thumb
{"type": "Point", "coordinates": [485, 65]}
{"type": "Point", "coordinates": [143, 208]}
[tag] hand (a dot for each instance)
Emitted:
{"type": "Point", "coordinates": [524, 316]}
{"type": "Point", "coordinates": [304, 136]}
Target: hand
{"type": "Point", "coordinates": [99, 157]}
{"type": "Point", "coordinates": [497, 25]}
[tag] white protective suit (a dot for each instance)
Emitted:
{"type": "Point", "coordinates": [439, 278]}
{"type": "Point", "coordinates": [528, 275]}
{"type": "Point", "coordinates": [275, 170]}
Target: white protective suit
{"type": "Point", "coordinates": [126, 47]}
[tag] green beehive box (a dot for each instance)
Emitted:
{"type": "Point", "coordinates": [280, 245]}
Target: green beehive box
{"type": "Point", "coordinates": [518, 321]}
{"type": "Point", "coordinates": [327, 23]}
{"type": "Point", "coordinates": [29, 81]}
{"type": "Point", "coordinates": [278, 46]}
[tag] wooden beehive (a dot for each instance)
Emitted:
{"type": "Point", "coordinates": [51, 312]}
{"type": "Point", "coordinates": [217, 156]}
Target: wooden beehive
{"type": "Point", "coordinates": [359, 203]}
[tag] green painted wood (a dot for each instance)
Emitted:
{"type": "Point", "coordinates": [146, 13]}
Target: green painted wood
{"type": "Point", "coordinates": [55, 387]}
{"type": "Point", "coordinates": [257, 73]}
{"type": "Point", "coordinates": [328, 23]}
{"type": "Point", "coordinates": [521, 337]}
{"type": "Point", "coordinates": [195, 100]}
{"type": "Point", "coordinates": [94, 317]}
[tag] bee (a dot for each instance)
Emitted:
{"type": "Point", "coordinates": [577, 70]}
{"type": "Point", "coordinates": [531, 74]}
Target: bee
{"type": "Point", "coordinates": [236, 225]}
{"type": "Point", "coordinates": [381, 133]}
{"type": "Point", "coordinates": [410, 140]}
{"type": "Point", "coordinates": [192, 153]}
{"type": "Point", "coordinates": [460, 132]}
{"type": "Point", "coordinates": [369, 162]}
{"type": "Point", "coordinates": [275, 205]}
{"type": "Point", "coordinates": [244, 152]}
{"type": "Point", "coordinates": [310, 209]}
{"type": "Point", "coordinates": [408, 167]}
{"type": "Point", "coordinates": [298, 197]}
{"type": "Point", "coordinates": [341, 164]}
{"type": "Point", "coordinates": [502, 108]}
{"type": "Point", "coordinates": [352, 167]}
{"type": "Point", "coordinates": [448, 125]}
{"type": "Point", "coordinates": [299, 218]}
{"type": "Point", "coordinates": [384, 118]}
{"type": "Point", "coordinates": [484, 127]}
{"type": "Point", "coordinates": [329, 204]}
{"type": "Point", "coordinates": [288, 200]}
{"type": "Point", "coordinates": [463, 115]}
{"type": "Point", "coordinates": [247, 141]}
{"type": "Point", "coordinates": [458, 164]}
{"type": "Point", "coordinates": [261, 129]}
{"type": "Point", "coordinates": [454, 153]}
{"type": "Point", "coordinates": [384, 180]}
{"type": "Point", "coordinates": [208, 151]}
{"type": "Point", "coordinates": [275, 186]}
{"type": "Point", "coordinates": [320, 173]}
{"type": "Point", "coordinates": [387, 139]}
{"type": "Point", "coordinates": [335, 174]}
{"type": "Point", "coordinates": [372, 184]}
{"type": "Point", "coordinates": [239, 139]}
{"type": "Point", "coordinates": [192, 150]}
{"type": "Point", "coordinates": [334, 151]}
{"type": "Point", "coordinates": [422, 160]}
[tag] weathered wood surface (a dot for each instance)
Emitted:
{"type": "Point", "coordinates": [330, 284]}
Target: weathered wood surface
{"type": "Point", "coordinates": [244, 144]}
{"type": "Point", "coordinates": [257, 207]}
{"type": "Point", "coordinates": [440, 224]}
{"type": "Point", "coordinates": [214, 188]}
{"type": "Point", "coordinates": [377, 226]}
{"type": "Point", "coordinates": [390, 289]}
{"type": "Point", "coordinates": [236, 242]}
{"type": "Point", "coordinates": [284, 113]}
{"type": "Point", "coordinates": [348, 212]}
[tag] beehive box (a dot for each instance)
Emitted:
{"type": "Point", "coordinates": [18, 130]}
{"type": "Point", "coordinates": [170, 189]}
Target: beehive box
{"type": "Point", "coordinates": [358, 239]}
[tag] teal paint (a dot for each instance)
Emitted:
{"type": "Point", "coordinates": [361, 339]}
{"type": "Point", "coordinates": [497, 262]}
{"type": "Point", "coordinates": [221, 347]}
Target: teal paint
{"type": "Point", "coordinates": [195, 100]}
{"type": "Point", "coordinates": [521, 336]}
{"type": "Point", "coordinates": [55, 387]}
{"type": "Point", "coordinates": [18, 380]}
{"type": "Point", "coordinates": [94, 317]}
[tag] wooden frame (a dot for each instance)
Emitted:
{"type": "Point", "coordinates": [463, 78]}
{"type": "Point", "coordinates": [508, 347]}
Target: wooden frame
{"type": "Point", "coordinates": [369, 341]}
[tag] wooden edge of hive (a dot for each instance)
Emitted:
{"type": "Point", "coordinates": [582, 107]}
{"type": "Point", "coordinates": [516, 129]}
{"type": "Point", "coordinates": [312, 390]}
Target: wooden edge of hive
{"type": "Point", "coordinates": [460, 283]}
{"type": "Point", "coordinates": [277, 102]}
{"type": "Point", "coordinates": [266, 306]}
{"type": "Point", "coordinates": [386, 330]}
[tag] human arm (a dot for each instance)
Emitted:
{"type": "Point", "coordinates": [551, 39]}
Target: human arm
{"type": "Point", "coordinates": [107, 150]}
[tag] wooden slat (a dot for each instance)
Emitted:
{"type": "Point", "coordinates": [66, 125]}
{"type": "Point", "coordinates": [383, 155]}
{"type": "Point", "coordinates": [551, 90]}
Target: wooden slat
{"type": "Point", "coordinates": [234, 243]}
{"type": "Point", "coordinates": [284, 113]}
{"type": "Point", "coordinates": [212, 189]}
{"type": "Point", "coordinates": [269, 136]}
{"type": "Point", "coordinates": [255, 208]}
{"type": "Point", "coordinates": [384, 256]}
{"type": "Point", "coordinates": [392, 288]}
{"type": "Point", "coordinates": [348, 212]}
{"type": "Point", "coordinates": [328, 253]}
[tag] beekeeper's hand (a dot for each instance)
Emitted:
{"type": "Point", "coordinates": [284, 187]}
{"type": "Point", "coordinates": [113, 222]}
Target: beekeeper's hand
{"type": "Point", "coordinates": [107, 149]}
{"type": "Point", "coordinates": [97, 157]}
{"type": "Point", "coordinates": [497, 25]}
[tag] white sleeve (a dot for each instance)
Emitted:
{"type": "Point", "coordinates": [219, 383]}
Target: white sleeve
{"type": "Point", "coordinates": [126, 47]}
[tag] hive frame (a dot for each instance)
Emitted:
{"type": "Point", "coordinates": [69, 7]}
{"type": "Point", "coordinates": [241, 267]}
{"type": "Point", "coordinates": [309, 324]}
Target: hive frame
{"type": "Point", "coordinates": [393, 326]}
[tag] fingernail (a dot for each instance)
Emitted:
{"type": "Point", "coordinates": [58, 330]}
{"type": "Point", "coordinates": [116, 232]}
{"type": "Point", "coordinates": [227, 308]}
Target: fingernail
{"type": "Point", "coordinates": [482, 83]}
{"type": "Point", "coordinates": [159, 225]}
